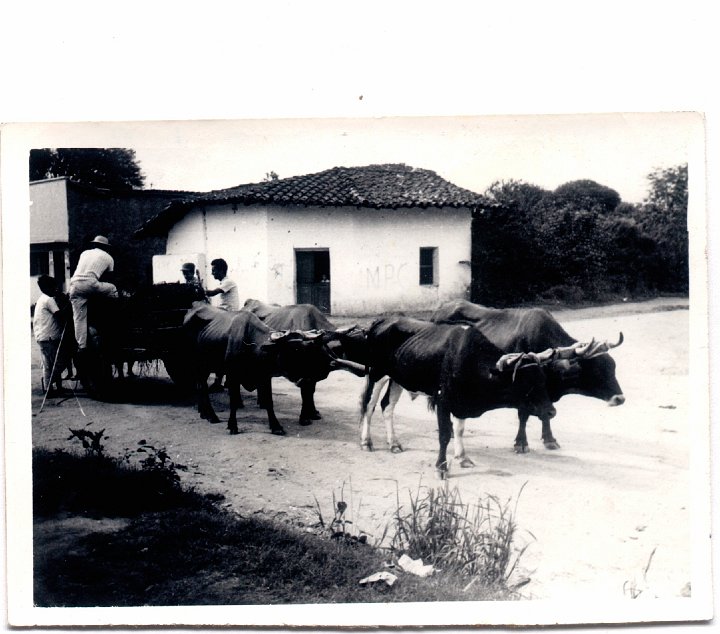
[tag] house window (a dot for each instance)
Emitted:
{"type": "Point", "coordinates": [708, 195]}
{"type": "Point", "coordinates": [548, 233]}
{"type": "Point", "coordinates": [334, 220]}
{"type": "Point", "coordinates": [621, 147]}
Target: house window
{"type": "Point", "coordinates": [39, 263]}
{"type": "Point", "coordinates": [428, 266]}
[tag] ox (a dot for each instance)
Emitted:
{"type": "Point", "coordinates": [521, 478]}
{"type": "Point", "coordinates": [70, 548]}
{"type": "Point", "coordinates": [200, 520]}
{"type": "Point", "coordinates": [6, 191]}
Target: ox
{"type": "Point", "coordinates": [346, 343]}
{"type": "Point", "coordinates": [585, 369]}
{"type": "Point", "coordinates": [463, 373]}
{"type": "Point", "coordinates": [250, 353]}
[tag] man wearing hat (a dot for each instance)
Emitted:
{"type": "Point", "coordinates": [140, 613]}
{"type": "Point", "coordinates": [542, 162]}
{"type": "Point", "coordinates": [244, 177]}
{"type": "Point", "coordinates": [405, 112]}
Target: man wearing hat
{"type": "Point", "coordinates": [93, 264]}
{"type": "Point", "coordinates": [188, 271]}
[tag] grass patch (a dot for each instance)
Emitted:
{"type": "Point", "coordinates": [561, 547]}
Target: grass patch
{"type": "Point", "coordinates": [178, 547]}
{"type": "Point", "coordinates": [474, 541]}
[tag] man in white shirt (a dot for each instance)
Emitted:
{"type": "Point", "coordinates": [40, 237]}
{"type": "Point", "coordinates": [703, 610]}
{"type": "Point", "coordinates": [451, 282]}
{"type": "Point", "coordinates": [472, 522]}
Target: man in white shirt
{"type": "Point", "coordinates": [48, 333]}
{"type": "Point", "coordinates": [93, 264]}
{"type": "Point", "coordinates": [228, 291]}
{"type": "Point", "coordinates": [229, 300]}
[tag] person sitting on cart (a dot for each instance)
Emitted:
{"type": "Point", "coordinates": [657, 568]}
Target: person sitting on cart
{"type": "Point", "coordinates": [48, 328]}
{"type": "Point", "coordinates": [94, 262]}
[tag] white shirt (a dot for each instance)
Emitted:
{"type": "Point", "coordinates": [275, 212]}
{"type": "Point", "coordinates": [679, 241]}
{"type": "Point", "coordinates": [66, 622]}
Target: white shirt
{"type": "Point", "coordinates": [94, 261]}
{"type": "Point", "coordinates": [229, 299]}
{"type": "Point", "coordinates": [45, 326]}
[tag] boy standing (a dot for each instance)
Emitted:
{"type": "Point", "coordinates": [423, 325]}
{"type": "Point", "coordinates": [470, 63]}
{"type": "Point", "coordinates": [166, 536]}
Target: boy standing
{"type": "Point", "coordinates": [48, 333]}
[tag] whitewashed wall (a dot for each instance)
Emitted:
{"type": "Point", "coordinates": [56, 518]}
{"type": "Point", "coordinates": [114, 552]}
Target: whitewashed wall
{"type": "Point", "coordinates": [374, 254]}
{"type": "Point", "coordinates": [48, 211]}
{"type": "Point", "coordinates": [168, 268]}
{"type": "Point", "coordinates": [239, 236]}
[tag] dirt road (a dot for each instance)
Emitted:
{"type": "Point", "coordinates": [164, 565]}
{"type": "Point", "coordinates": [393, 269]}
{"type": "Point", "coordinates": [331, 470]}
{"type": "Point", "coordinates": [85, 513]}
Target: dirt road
{"type": "Point", "coordinates": [593, 512]}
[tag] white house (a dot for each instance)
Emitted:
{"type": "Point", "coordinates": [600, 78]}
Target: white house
{"type": "Point", "coordinates": [352, 241]}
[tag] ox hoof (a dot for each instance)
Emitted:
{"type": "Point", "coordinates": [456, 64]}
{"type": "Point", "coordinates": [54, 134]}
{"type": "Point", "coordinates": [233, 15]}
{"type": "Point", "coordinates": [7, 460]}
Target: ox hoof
{"type": "Point", "coordinates": [396, 448]}
{"type": "Point", "coordinates": [441, 474]}
{"type": "Point", "coordinates": [521, 449]}
{"type": "Point", "coordinates": [278, 431]}
{"type": "Point", "coordinates": [234, 432]}
{"type": "Point", "coordinates": [551, 444]}
{"type": "Point", "coordinates": [212, 421]}
{"type": "Point", "coordinates": [313, 416]}
{"type": "Point", "coordinates": [366, 446]}
{"type": "Point", "coordinates": [305, 422]}
{"type": "Point", "coordinates": [466, 463]}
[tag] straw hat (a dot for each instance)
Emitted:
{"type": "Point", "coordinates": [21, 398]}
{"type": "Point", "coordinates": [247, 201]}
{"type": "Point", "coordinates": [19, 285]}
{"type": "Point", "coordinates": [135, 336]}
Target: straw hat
{"type": "Point", "coordinates": [100, 240]}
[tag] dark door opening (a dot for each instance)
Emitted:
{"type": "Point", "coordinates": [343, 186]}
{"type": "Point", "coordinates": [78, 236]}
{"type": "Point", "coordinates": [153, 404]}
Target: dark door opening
{"type": "Point", "coordinates": [313, 278]}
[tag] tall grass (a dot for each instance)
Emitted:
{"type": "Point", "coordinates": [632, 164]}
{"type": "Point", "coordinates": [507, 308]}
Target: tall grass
{"type": "Point", "coordinates": [475, 540]}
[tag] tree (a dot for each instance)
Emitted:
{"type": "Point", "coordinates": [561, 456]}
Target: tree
{"type": "Point", "coordinates": [108, 168]}
{"type": "Point", "coordinates": [663, 217]}
{"type": "Point", "coordinates": [516, 194]}
{"type": "Point", "coordinates": [587, 195]}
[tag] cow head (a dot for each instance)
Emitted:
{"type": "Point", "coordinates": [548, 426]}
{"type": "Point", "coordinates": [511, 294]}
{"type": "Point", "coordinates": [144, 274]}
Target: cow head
{"type": "Point", "coordinates": [348, 344]}
{"type": "Point", "coordinates": [304, 356]}
{"type": "Point", "coordinates": [525, 373]}
{"type": "Point", "coordinates": [588, 369]}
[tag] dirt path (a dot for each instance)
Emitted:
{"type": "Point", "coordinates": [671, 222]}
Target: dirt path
{"type": "Point", "coordinates": [593, 512]}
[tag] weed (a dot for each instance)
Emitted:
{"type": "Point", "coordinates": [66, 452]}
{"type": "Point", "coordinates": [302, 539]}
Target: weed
{"type": "Point", "coordinates": [631, 588]}
{"type": "Point", "coordinates": [155, 460]}
{"type": "Point", "coordinates": [90, 440]}
{"type": "Point", "coordinates": [340, 527]}
{"type": "Point", "coordinates": [473, 540]}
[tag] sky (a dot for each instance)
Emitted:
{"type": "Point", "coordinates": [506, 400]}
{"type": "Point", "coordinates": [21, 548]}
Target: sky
{"type": "Point", "coordinates": [618, 151]}
{"type": "Point", "coordinates": [615, 150]}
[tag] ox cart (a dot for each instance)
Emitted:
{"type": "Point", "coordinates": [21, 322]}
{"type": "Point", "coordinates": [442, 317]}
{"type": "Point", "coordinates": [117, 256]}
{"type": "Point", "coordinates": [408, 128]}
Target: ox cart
{"type": "Point", "coordinates": [144, 327]}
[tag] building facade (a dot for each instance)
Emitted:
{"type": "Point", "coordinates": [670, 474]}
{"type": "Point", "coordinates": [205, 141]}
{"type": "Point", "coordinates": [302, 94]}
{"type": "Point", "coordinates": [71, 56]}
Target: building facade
{"type": "Point", "coordinates": [352, 241]}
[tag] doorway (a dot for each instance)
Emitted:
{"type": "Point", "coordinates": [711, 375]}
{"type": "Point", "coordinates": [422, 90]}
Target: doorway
{"type": "Point", "coordinates": [313, 277]}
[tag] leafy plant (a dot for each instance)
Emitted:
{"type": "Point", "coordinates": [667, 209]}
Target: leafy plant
{"type": "Point", "coordinates": [90, 440]}
{"type": "Point", "coordinates": [156, 460]}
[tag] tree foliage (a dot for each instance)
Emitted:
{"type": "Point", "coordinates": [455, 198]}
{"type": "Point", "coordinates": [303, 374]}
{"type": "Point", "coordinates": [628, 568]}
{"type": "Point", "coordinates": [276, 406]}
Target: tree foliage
{"type": "Point", "coordinates": [663, 217]}
{"type": "Point", "coordinates": [580, 242]}
{"type": "Point", "coordinates": [108, 168]}
{"type": "Point", "coordinates": [586, 195]}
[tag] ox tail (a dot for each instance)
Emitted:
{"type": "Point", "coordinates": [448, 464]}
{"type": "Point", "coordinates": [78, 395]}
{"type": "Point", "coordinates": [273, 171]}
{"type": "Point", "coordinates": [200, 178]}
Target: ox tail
{"type": "Point", "coordinates": [432, 402]}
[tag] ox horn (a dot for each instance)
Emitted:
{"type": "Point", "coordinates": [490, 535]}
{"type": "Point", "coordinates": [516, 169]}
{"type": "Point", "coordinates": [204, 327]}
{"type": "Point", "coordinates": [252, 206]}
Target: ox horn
{"type": "Point", "coordinates": [615, 345]}
{"type": "Point", "coordinates": [343, 364]}
{"type": "Point", "coordinates": [544, 356]}
{"type": "Point", "coordinates": [507, 360]}
{"type": "Point", "coordinates": [584, 349]}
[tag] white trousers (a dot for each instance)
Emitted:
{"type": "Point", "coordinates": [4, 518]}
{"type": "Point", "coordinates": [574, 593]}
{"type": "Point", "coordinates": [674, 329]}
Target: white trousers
{"type": "Point", "coordinates": [80, 289]}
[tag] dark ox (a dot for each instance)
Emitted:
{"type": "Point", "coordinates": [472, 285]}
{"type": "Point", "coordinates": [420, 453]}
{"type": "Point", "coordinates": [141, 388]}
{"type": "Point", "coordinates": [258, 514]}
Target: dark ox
{"type": "Point", "coordinates": [345, 343]}
{"type": "Point", "coordinates": [463, 373]}
{"type": "Point", "coordinates": [250, 353]}
{"type": "Point", "coordinates": [579, 368]}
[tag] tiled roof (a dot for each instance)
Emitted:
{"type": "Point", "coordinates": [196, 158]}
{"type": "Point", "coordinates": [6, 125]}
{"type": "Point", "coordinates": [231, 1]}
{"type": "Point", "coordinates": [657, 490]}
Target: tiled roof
{"type": "Point", "coordinates": [389, 186]}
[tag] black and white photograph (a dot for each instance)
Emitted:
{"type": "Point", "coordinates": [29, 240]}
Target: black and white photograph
{"type": "Point", "coordinates": [397, 315]}
{"type": "Point", "coordinates": [218, 316]}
